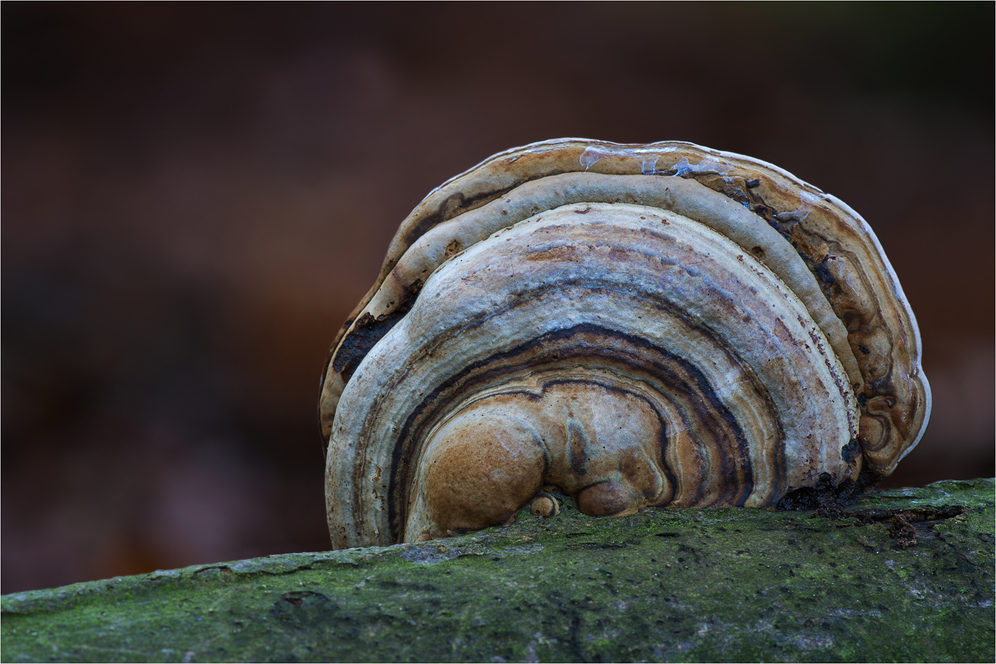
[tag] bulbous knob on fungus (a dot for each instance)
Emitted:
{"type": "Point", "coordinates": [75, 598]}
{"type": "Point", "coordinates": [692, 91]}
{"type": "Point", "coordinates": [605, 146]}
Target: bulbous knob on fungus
{"type": "Point", "coordinates": [637, 325]}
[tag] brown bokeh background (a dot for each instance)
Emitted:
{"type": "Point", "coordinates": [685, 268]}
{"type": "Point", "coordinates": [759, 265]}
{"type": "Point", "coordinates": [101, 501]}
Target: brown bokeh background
{"type": "Point", "coordinates": [195, 196]}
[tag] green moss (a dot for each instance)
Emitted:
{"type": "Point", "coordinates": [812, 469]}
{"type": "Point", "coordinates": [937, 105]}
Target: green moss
{"type": "Point", "coordinates": [679, 585]}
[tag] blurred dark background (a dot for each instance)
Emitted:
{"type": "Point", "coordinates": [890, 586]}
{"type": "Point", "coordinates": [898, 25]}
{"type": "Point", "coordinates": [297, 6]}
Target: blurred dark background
{"type": "Point", "coordinates": [196, 195]}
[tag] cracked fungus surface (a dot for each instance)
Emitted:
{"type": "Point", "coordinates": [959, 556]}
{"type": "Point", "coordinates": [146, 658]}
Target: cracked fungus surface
{"type": "Point", "coordinates": [663, 584]}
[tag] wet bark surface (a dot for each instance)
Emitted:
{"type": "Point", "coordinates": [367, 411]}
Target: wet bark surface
{"type": "Point", "coordinates": [899, 575]}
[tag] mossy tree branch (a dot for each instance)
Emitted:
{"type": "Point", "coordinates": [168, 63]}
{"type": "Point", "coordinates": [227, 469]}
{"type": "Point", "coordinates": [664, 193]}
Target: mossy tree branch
{"type": "Point", "coordinates": [664, 584]}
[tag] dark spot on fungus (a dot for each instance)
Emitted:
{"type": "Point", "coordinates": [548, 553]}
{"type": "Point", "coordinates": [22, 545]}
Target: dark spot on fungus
{"type": "Point", "coordinates": [368, 330]}
{"type": "Point", "coordinates": [851, 451]}
{"type": "Point", "coordinates": [823, 274]}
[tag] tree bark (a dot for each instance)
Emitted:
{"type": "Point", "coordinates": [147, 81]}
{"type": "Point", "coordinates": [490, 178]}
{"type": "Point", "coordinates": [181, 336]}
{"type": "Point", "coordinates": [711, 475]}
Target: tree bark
{"type": "Point", "coordinates": [902, 575]}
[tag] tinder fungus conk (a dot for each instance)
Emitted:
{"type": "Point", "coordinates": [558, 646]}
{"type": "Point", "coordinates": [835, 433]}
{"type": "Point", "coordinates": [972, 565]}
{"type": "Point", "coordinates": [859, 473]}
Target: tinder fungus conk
{"type": "Point", "coordinates": [637, 325]}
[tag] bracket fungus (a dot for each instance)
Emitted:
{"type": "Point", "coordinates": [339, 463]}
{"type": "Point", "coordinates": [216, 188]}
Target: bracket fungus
{"type": "Point", "coordinates": [637, 325]}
